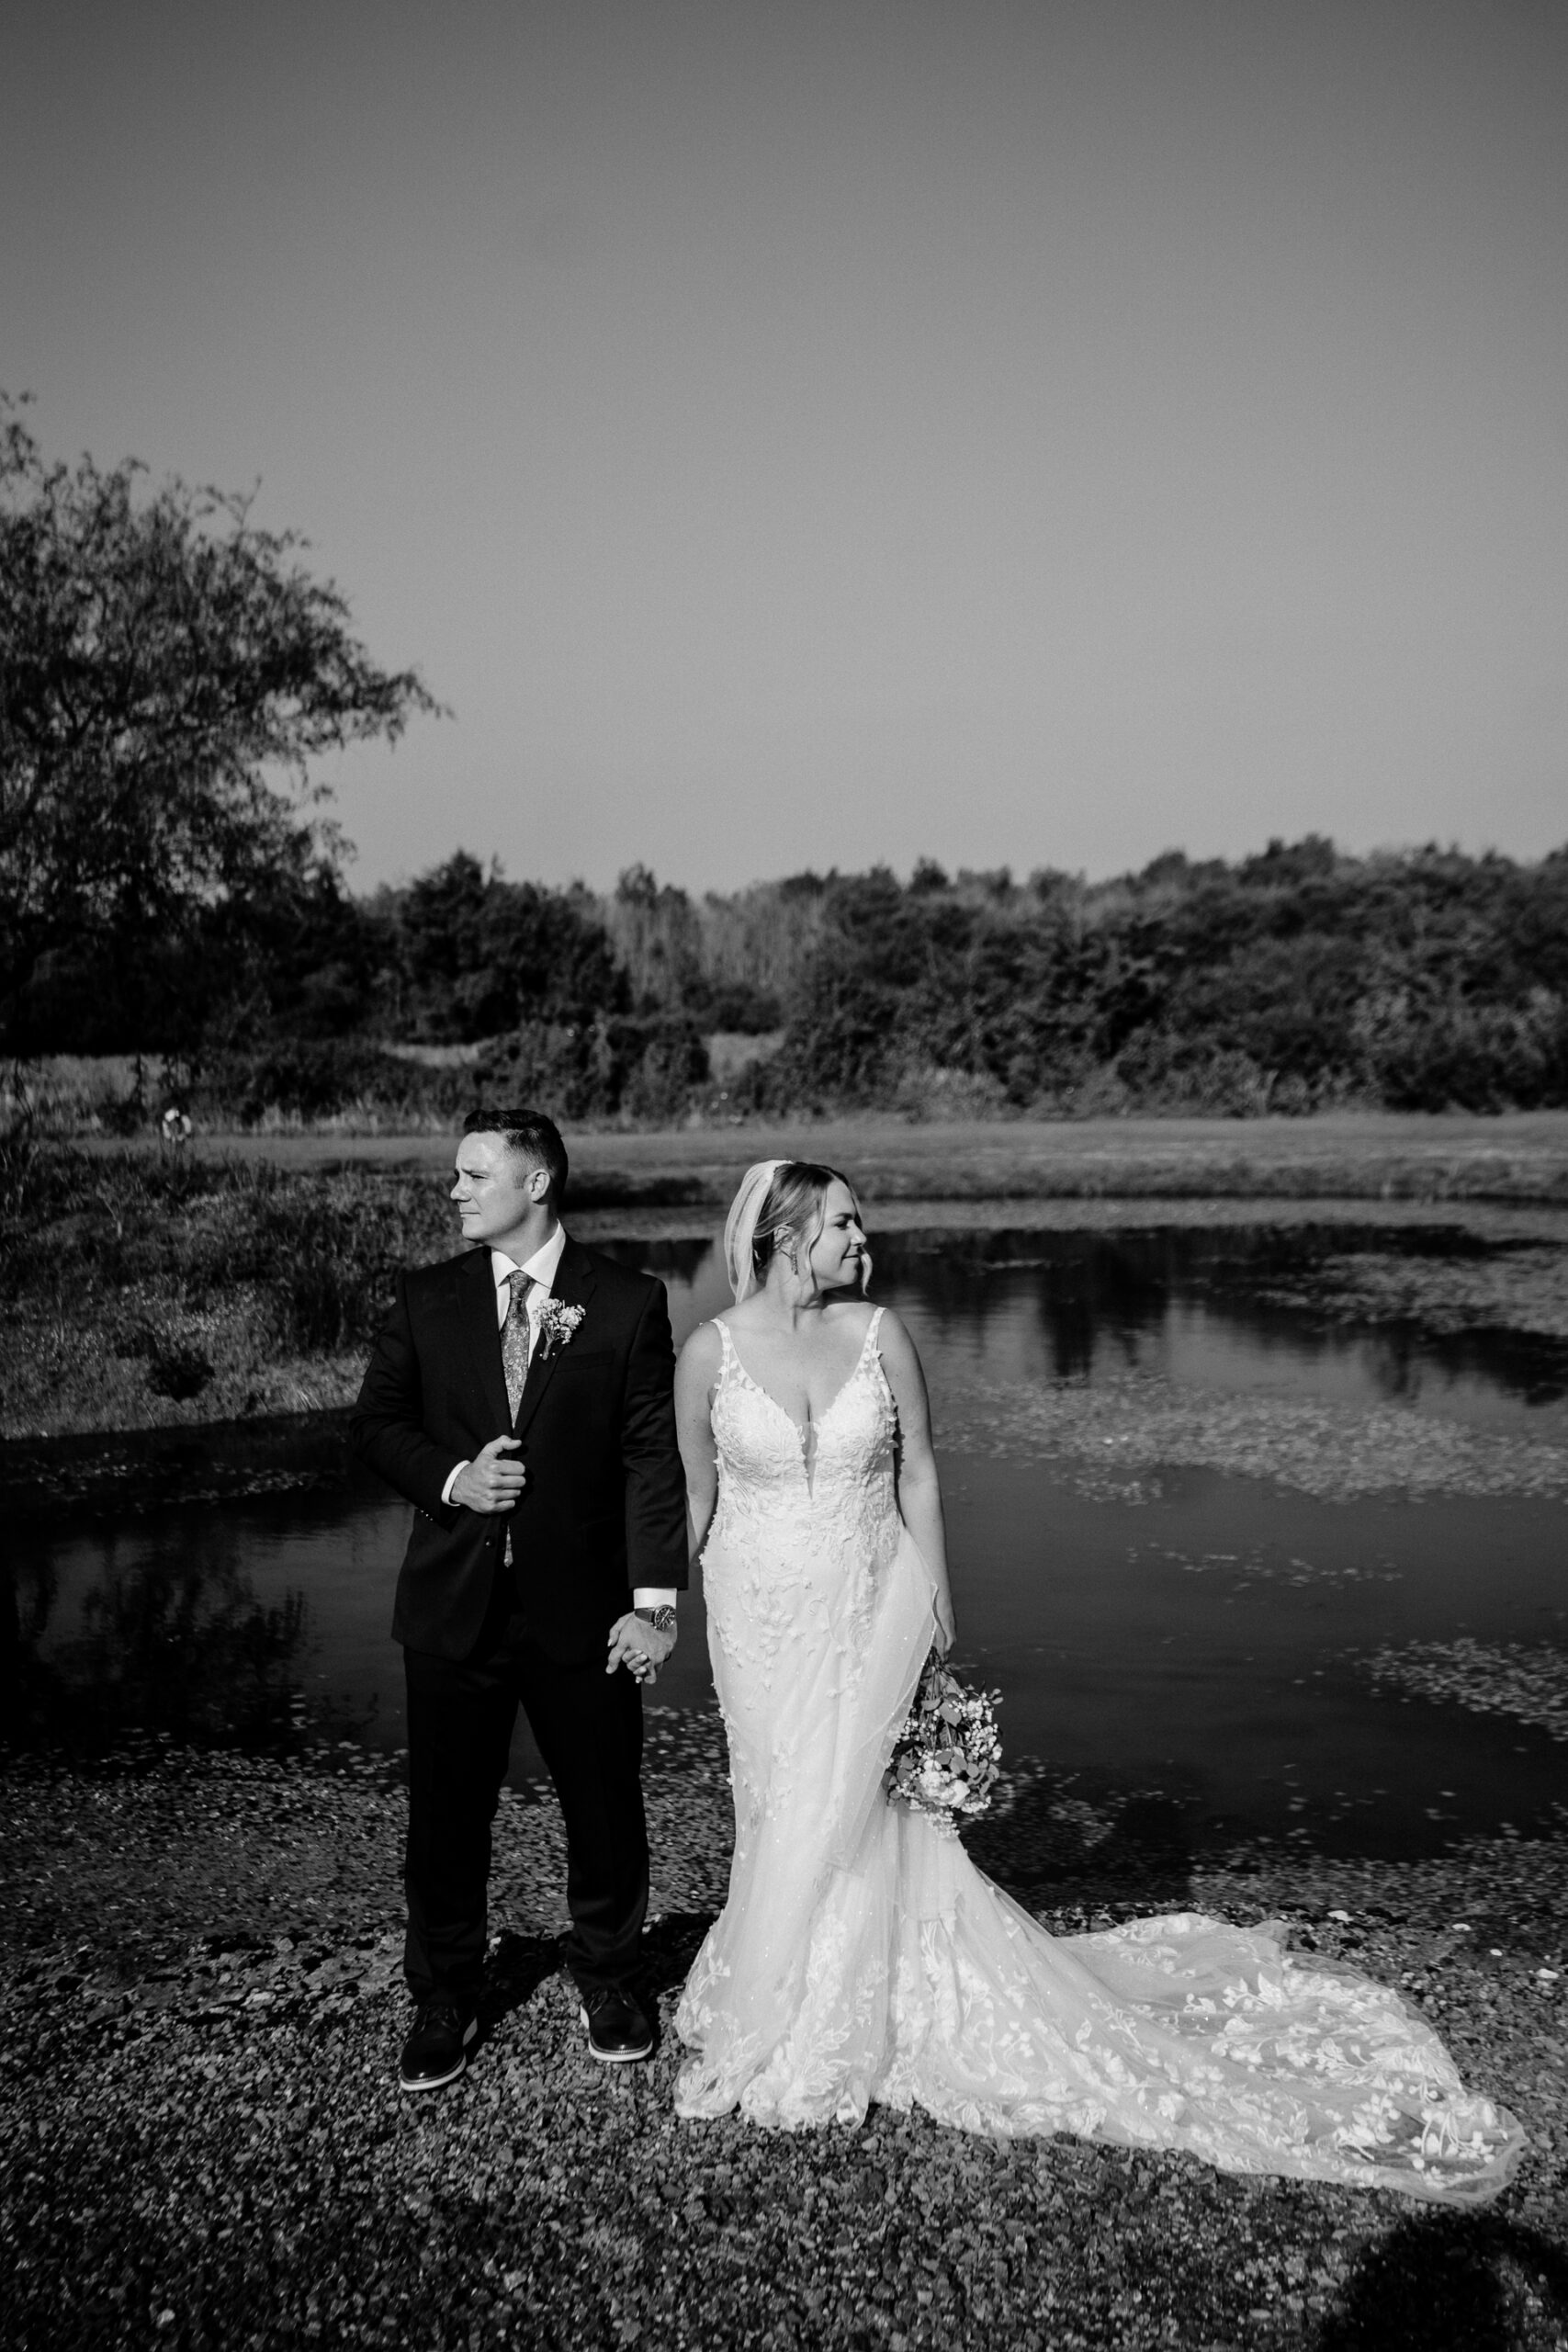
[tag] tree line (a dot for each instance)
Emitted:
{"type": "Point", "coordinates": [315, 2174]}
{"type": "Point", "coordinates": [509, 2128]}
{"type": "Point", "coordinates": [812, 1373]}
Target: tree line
{"type": "Point", "coordinates": [1295, 979]}
{"type": "Point", "coordinates": [169, 889]}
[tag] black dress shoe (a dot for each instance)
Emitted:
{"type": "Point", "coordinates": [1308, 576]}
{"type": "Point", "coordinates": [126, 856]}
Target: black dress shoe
{"type": "Point", "coordinates": [435, 2051]}
{"type": "Point", "coordinates": [617, 2030]}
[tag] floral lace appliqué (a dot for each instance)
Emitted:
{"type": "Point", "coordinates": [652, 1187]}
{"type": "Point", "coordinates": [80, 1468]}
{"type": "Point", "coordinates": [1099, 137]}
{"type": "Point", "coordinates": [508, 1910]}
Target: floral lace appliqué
{"type": "Point", "coordinates": [862, 1956]}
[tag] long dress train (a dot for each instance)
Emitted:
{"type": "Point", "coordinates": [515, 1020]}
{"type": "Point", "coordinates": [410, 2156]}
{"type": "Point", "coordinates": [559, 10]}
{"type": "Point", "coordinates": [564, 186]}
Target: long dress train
{"type": "Point", "coordinates": [862, 1956]}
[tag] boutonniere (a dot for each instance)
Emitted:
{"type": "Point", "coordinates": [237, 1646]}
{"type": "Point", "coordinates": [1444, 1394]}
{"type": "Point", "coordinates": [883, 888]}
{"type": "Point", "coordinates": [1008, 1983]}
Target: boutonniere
{"type": "Point", "coordinates": [557, 1321]}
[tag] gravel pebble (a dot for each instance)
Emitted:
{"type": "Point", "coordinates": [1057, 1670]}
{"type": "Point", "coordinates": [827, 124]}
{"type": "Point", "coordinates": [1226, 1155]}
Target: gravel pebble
{"type": "Point", "coordinates": [201, 2143]}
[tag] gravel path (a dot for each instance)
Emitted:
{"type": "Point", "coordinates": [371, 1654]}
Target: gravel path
{"type": "Point", "coordinates": [202, 2145]}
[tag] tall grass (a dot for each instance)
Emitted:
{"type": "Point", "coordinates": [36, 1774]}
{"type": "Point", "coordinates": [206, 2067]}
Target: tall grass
{"type": "Point", "coordinates": [321, 1248]}
{"type": "Point", "coordinates": [134, 1276]}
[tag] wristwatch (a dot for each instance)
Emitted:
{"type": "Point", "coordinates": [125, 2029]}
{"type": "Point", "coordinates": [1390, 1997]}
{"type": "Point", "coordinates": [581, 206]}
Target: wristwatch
{"type": "Point", "coordinates": [661, 1619]}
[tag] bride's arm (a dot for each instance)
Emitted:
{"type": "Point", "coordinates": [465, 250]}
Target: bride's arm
{"type": "Point", "coordinates": [696, 1369]}
{"type": "Point", "coordinates": [919, 1490]}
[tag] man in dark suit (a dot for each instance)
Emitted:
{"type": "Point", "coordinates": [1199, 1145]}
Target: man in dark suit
{"type": "Point", "coordinates": [520, 1394]}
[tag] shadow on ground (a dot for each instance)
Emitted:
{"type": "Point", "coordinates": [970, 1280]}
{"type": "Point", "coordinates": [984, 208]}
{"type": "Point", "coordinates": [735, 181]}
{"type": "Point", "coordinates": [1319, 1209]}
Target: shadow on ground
{"type": "Point", "coordinates": [520, 1964]}
{"type": "Point", "coordinates": [1450, 2283]}
{"type": "Point", "coordinates": [513, 1973]}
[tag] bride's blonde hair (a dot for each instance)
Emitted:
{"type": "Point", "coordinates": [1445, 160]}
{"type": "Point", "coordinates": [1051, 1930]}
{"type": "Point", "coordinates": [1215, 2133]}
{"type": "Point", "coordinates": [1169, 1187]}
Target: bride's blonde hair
{"type": "Point", "coordinates": [782, 1205]}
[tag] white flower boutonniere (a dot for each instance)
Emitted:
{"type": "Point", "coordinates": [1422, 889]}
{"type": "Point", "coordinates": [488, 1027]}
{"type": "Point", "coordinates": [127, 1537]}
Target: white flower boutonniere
{"type": "Point", "coordinates": [557, 1323]}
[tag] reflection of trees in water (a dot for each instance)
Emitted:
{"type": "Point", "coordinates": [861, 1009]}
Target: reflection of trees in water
{"type": "Point", "coordinates": [172, 1643]}
{"type": "Point", "coordinates": [1096, 1294]}
{"type": "Point", "coordinates": [1099, 1298]}
{"type": "Point", "coordinates": [679, 1259]}
{"type": "Point", "coordinates": [1091, 1294]}
{"type": "Point", "coordinates": [1311, 1316]}
{"type": "Point", "coordinates": [1526, 1364]}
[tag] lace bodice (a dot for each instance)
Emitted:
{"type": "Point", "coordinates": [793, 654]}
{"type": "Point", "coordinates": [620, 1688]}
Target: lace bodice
{"type": "Point", "coordinates": [828, 1487]}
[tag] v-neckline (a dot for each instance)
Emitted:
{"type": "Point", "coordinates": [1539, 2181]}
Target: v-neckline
{"type": "Point", "coordinates": [813, 1421]}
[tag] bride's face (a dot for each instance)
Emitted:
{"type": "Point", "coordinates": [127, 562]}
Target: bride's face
{"type": "Point", "coordinates": [838, 1254]}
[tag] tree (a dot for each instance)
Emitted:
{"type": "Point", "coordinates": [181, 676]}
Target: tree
{"type": "Point", "coordinates": [478, 955]}
{"type": "Point", "coordinates": [167, 669]}
{"type": "Point", "coordinates": [658, 939]}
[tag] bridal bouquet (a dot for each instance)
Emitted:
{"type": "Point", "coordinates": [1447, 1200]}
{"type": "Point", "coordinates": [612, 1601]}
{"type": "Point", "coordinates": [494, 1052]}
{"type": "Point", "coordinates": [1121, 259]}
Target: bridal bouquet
{"type": "Point", "coordinates": [947, 1758]}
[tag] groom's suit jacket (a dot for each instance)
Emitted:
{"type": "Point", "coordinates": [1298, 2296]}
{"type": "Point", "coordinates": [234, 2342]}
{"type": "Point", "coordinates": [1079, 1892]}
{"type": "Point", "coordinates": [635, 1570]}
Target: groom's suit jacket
{"type": "Point", "coordinates": [604, 1504]}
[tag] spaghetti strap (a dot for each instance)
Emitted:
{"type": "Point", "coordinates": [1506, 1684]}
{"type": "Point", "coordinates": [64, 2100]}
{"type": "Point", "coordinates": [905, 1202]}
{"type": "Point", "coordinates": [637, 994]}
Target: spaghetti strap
{"type": "Point", "coordinates": [871, 1362]}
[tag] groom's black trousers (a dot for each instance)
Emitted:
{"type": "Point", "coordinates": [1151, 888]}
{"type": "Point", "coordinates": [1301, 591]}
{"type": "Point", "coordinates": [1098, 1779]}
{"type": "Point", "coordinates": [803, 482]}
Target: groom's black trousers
{"type": "Point", "coordinates": [588, 1726]}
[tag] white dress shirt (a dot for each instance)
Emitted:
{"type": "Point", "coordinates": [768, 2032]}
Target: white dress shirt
{"type": "Point", "coordinates": [542, 1269]}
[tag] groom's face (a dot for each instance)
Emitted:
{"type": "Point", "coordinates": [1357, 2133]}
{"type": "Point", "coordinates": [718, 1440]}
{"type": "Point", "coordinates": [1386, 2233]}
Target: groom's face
{"type": "Point", "coordinates": [497, 1189]}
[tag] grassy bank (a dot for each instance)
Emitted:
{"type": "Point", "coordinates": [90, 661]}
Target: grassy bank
{"type": "Point", "coordinates": [201, 2146]}
{"type": "Point", "coordinates": [152, 1290]}
{"type": "Point", "coordinates": [1520, 1156]}
{"type": "Point", "coordinates": [146, 1289]}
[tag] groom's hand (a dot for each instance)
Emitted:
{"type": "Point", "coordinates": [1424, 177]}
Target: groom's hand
{"type": "Point", "coordinates": [640, 1648]}
{"type": "Point", "coordinates": [489, 1482]}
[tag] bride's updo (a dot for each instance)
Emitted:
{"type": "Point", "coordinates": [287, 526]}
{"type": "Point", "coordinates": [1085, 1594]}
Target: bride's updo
{"type": "Point", "coordinates": [780, 1206]}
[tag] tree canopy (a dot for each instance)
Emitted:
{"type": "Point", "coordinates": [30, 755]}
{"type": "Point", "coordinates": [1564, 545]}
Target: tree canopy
{"type": "Point", "coordinates": [167, 671]}
{"type": "Point", "coordinates": [1292, 981]}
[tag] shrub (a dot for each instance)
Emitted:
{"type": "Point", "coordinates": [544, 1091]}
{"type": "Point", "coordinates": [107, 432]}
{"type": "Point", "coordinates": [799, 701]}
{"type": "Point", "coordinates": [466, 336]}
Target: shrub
{"type": "Point", "coordinates": [314, 1077]}
{"type": "Point", "coordinates": [1167, 1072]}
{"type": "Point", "coordinates": [1453, 1055]}
{"type": "Point", "coordinates": [180, 1372]}
{"type": "Point", "coordinates": [328, 1249]}
{"type": "Point", "coordinates": [647, 1067]}
{"type": "Point", "coordinates": [925, 1092]}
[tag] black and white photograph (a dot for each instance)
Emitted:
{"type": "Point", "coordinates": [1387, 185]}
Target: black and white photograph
{"type": "Point", "coordinates": [783, 1176]}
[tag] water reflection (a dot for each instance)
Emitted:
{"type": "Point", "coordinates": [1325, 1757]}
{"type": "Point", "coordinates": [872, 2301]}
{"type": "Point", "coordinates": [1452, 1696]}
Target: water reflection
{"type": "Point", "coordinates": [1203, 1644]}
{"type": "Point", "coordinates": [171, 1644]}
{"type": "Point", "coordinates": [1237, 1307]}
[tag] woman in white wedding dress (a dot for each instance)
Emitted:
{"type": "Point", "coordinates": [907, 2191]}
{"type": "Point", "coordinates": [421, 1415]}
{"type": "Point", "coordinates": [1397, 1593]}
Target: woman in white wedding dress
{"type": "Point", "coordinates": [860, 1955]}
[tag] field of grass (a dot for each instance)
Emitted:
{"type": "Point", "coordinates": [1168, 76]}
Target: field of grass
{"type": "Point", "coordinates": [1521, 1155]}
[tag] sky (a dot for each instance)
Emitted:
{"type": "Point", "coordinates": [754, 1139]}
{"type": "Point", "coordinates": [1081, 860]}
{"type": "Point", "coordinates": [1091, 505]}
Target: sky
{"type": "Point", "coordinates": [1039, 433]}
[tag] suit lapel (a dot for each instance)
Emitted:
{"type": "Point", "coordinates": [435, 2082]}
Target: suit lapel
{"type": "Point", "coordinates": [574, 1287]}
{"type": "Point", "coordinates": [481, 1335]}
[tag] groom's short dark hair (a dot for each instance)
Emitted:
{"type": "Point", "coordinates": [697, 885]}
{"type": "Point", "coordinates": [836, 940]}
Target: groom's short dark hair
{"type": "Point", "coordinates": [530, 1133]}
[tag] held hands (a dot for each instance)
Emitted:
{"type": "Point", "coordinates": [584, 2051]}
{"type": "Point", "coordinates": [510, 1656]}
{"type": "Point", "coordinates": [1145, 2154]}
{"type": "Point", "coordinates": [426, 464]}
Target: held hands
{"type": "Point", "coordinates": [490, 1483]}
{"type": "Point", "coordinates": [640, 1648]}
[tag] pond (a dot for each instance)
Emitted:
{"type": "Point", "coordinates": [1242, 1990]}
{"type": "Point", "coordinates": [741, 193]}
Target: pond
{"type": "Point", "coordinates": [1202, 1634]}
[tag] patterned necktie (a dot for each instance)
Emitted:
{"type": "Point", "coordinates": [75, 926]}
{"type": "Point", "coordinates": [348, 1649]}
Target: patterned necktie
{"type": "Point", "coordinates": [515, 1337]}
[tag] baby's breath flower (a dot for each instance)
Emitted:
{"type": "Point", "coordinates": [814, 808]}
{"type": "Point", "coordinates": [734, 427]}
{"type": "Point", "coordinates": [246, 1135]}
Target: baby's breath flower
{"type": "Point", "coordinates": [946, 1758]}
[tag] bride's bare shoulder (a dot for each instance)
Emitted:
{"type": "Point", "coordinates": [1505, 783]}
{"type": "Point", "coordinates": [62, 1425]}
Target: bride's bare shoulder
{"type": "Point", "coordinates": [894, 1344]}
{"type": "Point", "coordinates": [702, 1353]}
{"type": "Point", "coordinates": [696, 1370]}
